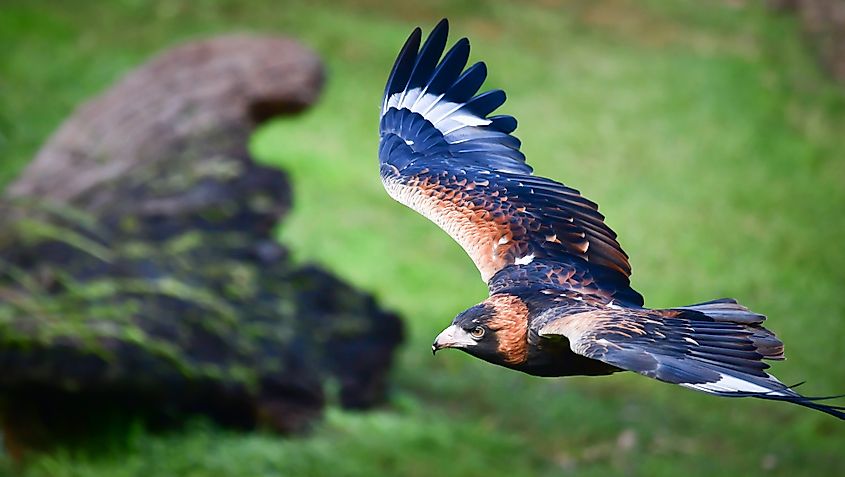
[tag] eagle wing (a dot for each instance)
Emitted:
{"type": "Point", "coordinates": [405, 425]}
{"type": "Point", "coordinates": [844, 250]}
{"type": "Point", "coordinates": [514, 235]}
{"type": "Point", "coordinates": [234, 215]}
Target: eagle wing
{"type": "Point", "coordinates": [716, 347]}
{"type": "Point", "coordinates": [443, 155]}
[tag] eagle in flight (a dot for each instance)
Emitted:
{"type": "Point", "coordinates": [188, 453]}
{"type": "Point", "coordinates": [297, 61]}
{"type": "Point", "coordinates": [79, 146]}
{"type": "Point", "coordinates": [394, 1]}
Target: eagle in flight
{"type": "Point", "coordinates": [560, 301]}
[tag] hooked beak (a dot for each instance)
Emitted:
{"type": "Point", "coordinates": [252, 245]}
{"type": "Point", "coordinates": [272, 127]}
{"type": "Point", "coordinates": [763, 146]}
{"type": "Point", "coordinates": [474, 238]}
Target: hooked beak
{"type": "Point", "coordinates": [452, 337]}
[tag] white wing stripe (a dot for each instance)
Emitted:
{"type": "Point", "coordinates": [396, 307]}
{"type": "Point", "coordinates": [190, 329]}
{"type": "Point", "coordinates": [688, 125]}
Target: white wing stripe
{"type": "Point", "coordinates": [433, 108]}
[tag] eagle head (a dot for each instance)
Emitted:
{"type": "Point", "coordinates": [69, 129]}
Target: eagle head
{"type": "Point", "coordinates": [495, 330]}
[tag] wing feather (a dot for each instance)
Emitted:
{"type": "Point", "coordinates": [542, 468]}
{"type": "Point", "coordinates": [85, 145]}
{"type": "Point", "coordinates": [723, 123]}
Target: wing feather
{"type": "Point", "coordinates": [443, 155]}
{"type": "Point", "coordinates": [680, 346]}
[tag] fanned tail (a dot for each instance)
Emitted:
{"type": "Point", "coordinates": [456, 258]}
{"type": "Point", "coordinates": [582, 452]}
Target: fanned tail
{"type": "Point", "coordinates": [742, 379]}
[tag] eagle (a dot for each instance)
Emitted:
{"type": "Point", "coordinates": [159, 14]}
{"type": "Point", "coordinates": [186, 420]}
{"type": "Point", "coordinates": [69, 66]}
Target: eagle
{"type": "Point", "coordinates": [560, 300]}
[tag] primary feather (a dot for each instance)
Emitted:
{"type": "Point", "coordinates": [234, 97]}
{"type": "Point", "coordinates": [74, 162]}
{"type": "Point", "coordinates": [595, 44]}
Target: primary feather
{"type": "Point", "coordinates": [443, 155]}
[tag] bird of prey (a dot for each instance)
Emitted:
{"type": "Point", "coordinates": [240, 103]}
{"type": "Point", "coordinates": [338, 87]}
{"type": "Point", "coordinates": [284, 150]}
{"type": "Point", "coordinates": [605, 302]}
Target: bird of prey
{"type": "Point", "coordinates": [560, 301]}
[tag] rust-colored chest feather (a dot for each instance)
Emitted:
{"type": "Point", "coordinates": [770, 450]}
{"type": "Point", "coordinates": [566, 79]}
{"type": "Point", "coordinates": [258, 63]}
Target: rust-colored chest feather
{"type": "Point", "coordinates": [470, 218]}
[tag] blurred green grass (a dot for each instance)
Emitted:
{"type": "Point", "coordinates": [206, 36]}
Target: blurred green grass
{"type": "Point", "coordinates": [703, 129]}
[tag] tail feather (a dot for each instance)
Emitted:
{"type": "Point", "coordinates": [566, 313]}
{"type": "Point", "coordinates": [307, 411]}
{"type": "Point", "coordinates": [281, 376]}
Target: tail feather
{"type": "Point", "coordinates": [726, 309]}
{"type": "Point", "coordinates": [811, 402]}
{"type": "Point", "coordinates": [735, 379]}
{"type": "Point", "coordinates": [730, 311]}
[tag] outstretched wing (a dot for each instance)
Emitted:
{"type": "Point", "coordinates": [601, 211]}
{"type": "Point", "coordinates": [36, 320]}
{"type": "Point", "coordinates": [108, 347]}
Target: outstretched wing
{"type": "Point", "coordinates": [443, 155]}
{"type": "Point", "coordinates": [683, 346]}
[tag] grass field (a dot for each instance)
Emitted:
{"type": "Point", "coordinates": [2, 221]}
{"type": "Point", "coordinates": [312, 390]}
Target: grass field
{"type": "Point", "coordinates": [704, 129]}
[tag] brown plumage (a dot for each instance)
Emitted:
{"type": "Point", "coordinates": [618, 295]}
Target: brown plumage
{"type": "Point", "coordinates": [509, 321]}
{"type": "Point", "coordinates": [560, 299]}
{"type": "Point", "coordinates": [470, 220]}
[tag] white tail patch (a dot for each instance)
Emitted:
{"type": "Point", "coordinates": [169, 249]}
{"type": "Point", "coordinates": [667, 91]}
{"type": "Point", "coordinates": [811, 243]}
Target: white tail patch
{"type": "Point", "coordinates": [732, 384]}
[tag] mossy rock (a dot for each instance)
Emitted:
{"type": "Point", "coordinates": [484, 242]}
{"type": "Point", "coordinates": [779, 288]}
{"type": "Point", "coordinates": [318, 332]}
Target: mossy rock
{"type": "Point", "coordinates": [146, 282]}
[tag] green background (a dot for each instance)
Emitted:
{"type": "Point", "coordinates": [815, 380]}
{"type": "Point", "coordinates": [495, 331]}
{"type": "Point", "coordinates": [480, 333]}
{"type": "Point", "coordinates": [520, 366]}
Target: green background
{"type": "Point", "coordinates": [705, 130]}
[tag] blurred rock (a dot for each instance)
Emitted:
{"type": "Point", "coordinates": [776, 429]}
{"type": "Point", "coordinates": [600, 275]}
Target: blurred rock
{"type": "Point", "coordinates": [200, 100]}
{"type": "Point", "coordinates": [824, 23]}
{"type": "Point", "coordinates": [626, 441]}
{"type": "Point", "coordinates": [139, 276]}
{"type": "Point", "coordinates": [769, 462]}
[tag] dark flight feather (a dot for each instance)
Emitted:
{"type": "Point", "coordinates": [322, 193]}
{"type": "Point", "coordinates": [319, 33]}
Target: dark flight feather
{"type": "Point", "coordinates": [443, 156]}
